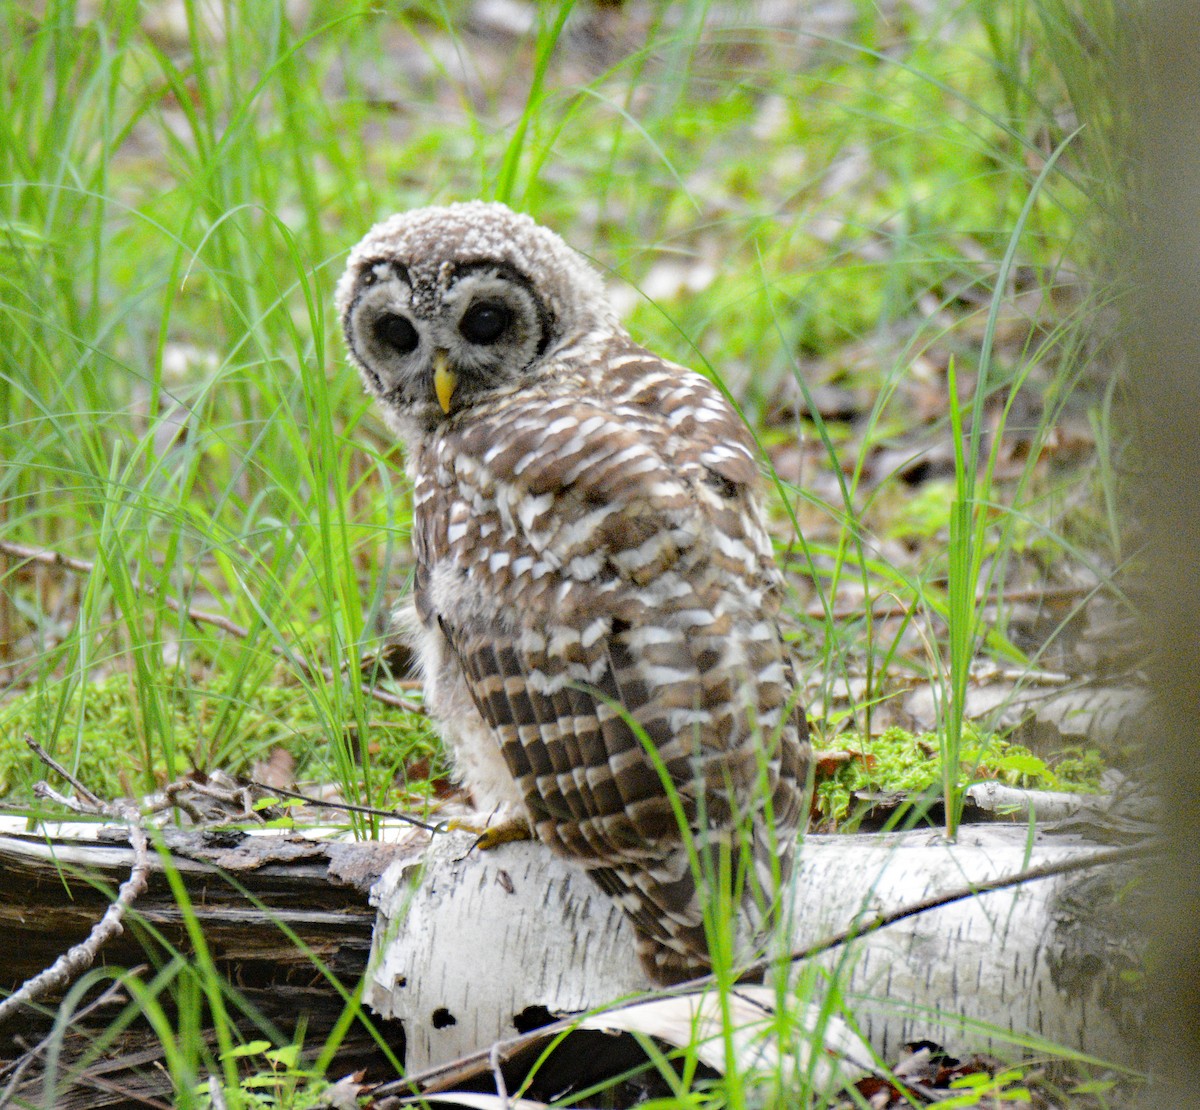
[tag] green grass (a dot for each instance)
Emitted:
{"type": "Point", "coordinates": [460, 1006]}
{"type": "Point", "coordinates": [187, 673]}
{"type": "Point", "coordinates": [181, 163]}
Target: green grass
{"type": "Point", "coordinates": [209, 726]}
{"type": "Point", "coordinates": [868, 212]}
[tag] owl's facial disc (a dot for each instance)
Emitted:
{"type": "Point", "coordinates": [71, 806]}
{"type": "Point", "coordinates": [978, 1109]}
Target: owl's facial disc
{"type": "Point", "coordinates": [475, 328]}
{"type": "Point", "coordinates": [390, 342]}
{"type": "Point", "coordinates": [492, 327]}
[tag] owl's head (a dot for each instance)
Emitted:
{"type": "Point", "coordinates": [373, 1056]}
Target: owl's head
{"type": "Point", "coordinates": [444, 306]}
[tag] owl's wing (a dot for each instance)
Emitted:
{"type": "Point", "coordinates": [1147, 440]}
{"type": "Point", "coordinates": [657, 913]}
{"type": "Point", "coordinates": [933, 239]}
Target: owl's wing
{"type": "Point", "coordinates": [634, 638]}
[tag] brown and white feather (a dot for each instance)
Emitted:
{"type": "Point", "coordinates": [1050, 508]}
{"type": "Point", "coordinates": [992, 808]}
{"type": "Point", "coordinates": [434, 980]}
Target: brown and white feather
{"type": "Point", "coordinates": [597, 598]}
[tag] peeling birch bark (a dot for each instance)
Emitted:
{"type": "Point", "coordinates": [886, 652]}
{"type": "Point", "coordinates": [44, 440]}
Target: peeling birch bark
{"type": "Point", "coordinates": [473, 948]}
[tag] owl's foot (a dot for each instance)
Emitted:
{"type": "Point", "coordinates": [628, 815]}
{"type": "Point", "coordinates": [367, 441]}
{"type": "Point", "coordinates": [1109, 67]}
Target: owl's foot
{"type": "Point", "coordinates": [492, 836]}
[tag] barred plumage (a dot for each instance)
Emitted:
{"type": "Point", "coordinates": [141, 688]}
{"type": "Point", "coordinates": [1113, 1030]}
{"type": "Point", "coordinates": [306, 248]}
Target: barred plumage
{"type": "Point", "coordinates": [596, 593]}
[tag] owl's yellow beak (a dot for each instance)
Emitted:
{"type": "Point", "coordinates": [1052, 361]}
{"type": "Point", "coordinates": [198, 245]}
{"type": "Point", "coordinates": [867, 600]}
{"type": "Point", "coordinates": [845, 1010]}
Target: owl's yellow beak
{"type": "Point", "coordinates": [445, 380]}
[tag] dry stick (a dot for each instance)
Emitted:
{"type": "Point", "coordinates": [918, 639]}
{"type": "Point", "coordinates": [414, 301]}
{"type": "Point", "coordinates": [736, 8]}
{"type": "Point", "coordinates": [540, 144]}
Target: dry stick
{"type": "Point", "coordinates": [91, 799]}
{"type": "Point", "coordinates": [15, 1070]}
{"type": "Point", "coordinates": [444, 1076]}
{"type": "Point", "coordinates": [127, 1095]}
{"type": "Point", "coordinates": [76, 960]}
{"type": "Point", "coordinates": [936, 901]}
{"type": "Point", "coordinates": [216, 1092]}
{"type": "Point", "coordinates": [498, 1077]}
{"type": "Point", "coordinates": [197, 616]}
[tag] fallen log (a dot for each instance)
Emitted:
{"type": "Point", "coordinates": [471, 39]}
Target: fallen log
{"type": "Point", "coordinates": [246, 890]}
{"type": "Point", "coordinates": [282, 915]}
{"type": "Point", "coordinates": [467, 947]}
{"type": "Point", "coordinates": [476, 947]}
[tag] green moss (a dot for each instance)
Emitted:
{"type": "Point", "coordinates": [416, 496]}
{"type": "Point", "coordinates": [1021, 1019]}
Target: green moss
{"type": "Point", "coordinates": [99, 733]}
{"type": "Point", "coordinates": [899, 762]}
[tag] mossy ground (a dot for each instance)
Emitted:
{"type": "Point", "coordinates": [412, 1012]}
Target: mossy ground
{"type": "Point", "coordinates": [104, 724]}
{"type": "Point", "coordinates": [899, 762]}
{"type": "Point", "coordinates": [99, 731]}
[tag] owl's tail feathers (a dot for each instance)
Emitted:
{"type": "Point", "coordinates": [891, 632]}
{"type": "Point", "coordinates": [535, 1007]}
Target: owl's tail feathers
{"type": "Point", "coordinates": [664, 965]}
{"type": "Point", "coordinates": [667, 920]}
{"type": "Point", "coordinates": [667, 909]}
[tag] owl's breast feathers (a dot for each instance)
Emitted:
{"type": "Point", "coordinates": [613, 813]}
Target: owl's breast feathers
{"type": "Point", "coordinates": [604, 579]}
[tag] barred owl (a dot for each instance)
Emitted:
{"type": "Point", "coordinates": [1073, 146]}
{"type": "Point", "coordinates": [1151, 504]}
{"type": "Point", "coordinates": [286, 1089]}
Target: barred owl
{"type": "Point", "coordinates": [595, 594]}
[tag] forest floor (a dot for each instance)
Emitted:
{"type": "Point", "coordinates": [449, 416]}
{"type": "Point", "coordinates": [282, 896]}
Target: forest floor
{"type": "Point", "coordinates": [875, 224]}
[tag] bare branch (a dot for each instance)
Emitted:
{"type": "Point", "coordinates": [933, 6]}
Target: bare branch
{"type": "Point", "coordinates": [76, 960]}
{"type": "Point", "coordinates": [90, 798]}
{"type": "Point", "coordinates": [15, 1070]}
{"type": "Point", "coordinates": [350, 807]}
{"type": "Point", "coordinates": [882, 609]}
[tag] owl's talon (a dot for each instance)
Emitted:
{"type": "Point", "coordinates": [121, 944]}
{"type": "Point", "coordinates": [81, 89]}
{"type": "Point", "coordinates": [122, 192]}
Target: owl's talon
{"type": "Point", "coordinates": [492, 836]}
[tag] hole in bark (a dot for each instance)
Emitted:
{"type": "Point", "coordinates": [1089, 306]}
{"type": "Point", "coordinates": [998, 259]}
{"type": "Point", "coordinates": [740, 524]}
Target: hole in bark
{"type": "Point", "coordinates": [401, 981]}
{"type": "Point", "coordinates": [443, 1017]}
{"type": "Point", "coordinates": [532, 1017]}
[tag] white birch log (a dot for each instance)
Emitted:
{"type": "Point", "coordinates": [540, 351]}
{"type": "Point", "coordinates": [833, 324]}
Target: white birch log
{"type": "Point", "coordinates": [473, 947]}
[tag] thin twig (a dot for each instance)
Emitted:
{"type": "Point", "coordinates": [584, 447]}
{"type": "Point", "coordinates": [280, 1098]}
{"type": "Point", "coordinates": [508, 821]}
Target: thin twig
{"type": "Point", "coordinates": [216, 1092]}
{"type": "Point", "coordinates": [350, 807]}
{"type": "Point", "coordinates": [126, 1095]}
{"type": "Point", "coordinates": [83, 567]}
{"type": "Point", "coordinates": [59, 769]}
{"type": "Point", "coordinates": [75, 805]}
{"type": "Point", "coordinates": [236, 798]}
{"type": "Point", "coordinates": [199, 616]}
{"type": "Point", "coordinates": [498, 1078]}
{"type": "Point", "coordinates": [15, 1070]}
{"type": "Point", "coordinates": [880, 921]}
{"type": "Point", "coordinates": [77, 959]}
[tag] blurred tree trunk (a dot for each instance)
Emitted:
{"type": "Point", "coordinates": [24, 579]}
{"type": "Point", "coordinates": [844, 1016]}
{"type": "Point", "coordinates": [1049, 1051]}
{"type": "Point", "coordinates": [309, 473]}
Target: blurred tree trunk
{"type": "Point", "coordinates": [1162, 80]}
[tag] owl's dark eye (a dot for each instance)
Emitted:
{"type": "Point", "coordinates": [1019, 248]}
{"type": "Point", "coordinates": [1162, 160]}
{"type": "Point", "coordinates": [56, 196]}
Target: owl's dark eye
{"type": "Point", "coordinates": [396, 332]}
{"type": "Point", "coordinates": [485, 322]}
